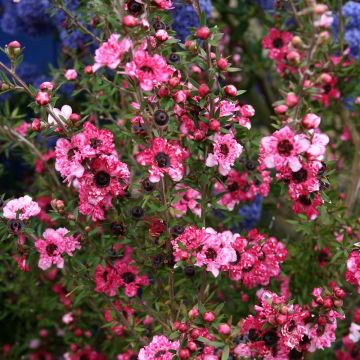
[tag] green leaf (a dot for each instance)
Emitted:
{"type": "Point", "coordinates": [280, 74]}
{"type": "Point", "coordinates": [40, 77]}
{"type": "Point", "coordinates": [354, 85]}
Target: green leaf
{"type": "Point", "coordinates": [225, 354]}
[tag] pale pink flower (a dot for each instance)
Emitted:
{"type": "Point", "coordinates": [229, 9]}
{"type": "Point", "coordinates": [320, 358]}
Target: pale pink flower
{"type": "Point", "coordinates": [158, 349]}
{"type": "Point", "coordinates": [71, 74]}
{"type": "Point", "coordinates": [24, 207]}
{"type": "Point", "coordinates": [110, 52]}
{"type": "Point", "coordinates": [226, 151]}
{"type": "Point", "coordinates": [65, 113]}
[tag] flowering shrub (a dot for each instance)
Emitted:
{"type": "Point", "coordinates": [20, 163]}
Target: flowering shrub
{"type": "Point", "coordinates": [194, 195]}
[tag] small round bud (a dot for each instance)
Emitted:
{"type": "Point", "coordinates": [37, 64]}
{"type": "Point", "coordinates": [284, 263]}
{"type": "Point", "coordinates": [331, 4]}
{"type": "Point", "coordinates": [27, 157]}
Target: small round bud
{"type": "Point", "coordinates": [174, 82]}
{"type": "Point", "coordinates": [147, 185]}
{"type": "Point", "coordinates": [230, 90]}
{"type": "Point", "coordinates": [214, 125]}
{"type": "Point", "coordinates": [130, 21]}
{"type": "Point", "coordinates": [42, 98]}
{"type": "Point", "coordinates": [280, 109]}
{"type": "Point", "coordinates": [291, 99]}
{"type": "Point", "coordinates": [161, 118]}
{"type": "Point", "coordinates": [195, 333]}
{"type": "Point", "coordinates": [203, 90]}
{"type": "Point", "coordinates": [162, 35]}
{"type": "Point", "coordinates": [174, 58]}
{"type": "Point", "coordinates": [71, 74]}
{"type": "Point", "coordinates": [224, 329]}
{"type": "Point", "coordinates": [222, 64]}
{"type": "Point", "coordinates": [88, 70]}
{"type": "Point", "coordinates": [209, 316]}
{"type": "Point", "coordinates": [36, 125]}
{"type": "Point", "coordinates": [203, 33]}
{"type": "Point", "coordinates": [296, 41]}
{"type": "Point", "coordinates": [46, 86]}
{"type": "Point", "coordinates": [163, 91]}
{"type": "Point", "coordinates": [184, 354]}
{"type": "Point", "coordinates": [137, 212]}
{"type": "Point", "coordinates": [311, 121]}
{"type": "Point", "coordinates": [135, 8]}
{"type": "Point", "coordinates": [189, 271]}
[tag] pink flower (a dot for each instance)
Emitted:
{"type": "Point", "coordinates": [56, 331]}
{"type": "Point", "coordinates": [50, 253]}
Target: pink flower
{"type": "Point", "coordinates": [188, 200]}
{"type": "Point", "coordinates": [158, 349]}
{"type": "Point", "coordinates": [278, 43]}
{"type": "Point", "coordinates": [106, 280]}
{"type": "Point", "coordinates": [64, 113]}
{"type": "Point", "coordinates": [317, 148]}
{"type": "Point", "coordinates": [352, 274]}
{"type": "Point", "coordinates": [54, 245]}
{"type": "Point", "coordinates": [110, 52]}
{"type": "Point", "coordinates": [226, 151]}
{"type": "Point", "coordinates": [163, 157]}
{"type": "Point", "coordinates": [23, 128]}
{"type": "Point", "coordinates": [23, 208]}
{"type": "Point", "coordinates": [308, 204]}
{"type": "Point", "coordinates": [71, 74]}
{"type": "Point", "coordinates": [149, 70]}
{"type": "Point", "coordinates": [283, 148]}
{"type": "Point", "coordinates": [164, 5]}
{"type": "Point", "coordinates": [109, 178]}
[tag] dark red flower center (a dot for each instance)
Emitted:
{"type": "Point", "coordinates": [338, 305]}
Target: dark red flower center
{"type": "Point", "coordinates": [71, 153]}
{"type": "Point", "coordinates": [210, 254]}
{"type": "Point", "coordinates": [146, 69]}
{"type": "Point", "coordinates": [162, 159]}
{"type": "Point", "coordinates": [102, 179]}
{"type": "Point", "coordinates": [327, 88]}
{"type": "Point", "coordinates": [224, 149]}
{"type": "Point", "coordinates": [305, 200]}
{"type": "Point", "coordinates": [50, 249]}
{"type": "Point", "coordinates": [160, 353]}
{"type": "Point", "coordinates": [15, 226]}
{"type": "Point", "coordinates": [285, 147]}
{"type": "Point", "coordinates": [238, 257]}
{"type": "Point", "coordinates": [105, 275]}
{"type": "Point", "coordinates": [233, 187]}
{"type": "Point", "coordinates": [278, 43]}
{"type": "Point", "coordinates": [270, 339]}
{"type": "Point", "coordinates": [299, 176]}
{"type": "Point", "coordinates": [128, 277]}
{"type": "Point", "coordinates": [94, 143]}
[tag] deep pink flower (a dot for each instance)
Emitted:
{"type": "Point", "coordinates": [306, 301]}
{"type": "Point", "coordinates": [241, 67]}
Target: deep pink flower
{"type": "Point", "coordinates": [163, 157]}
{"type": "Point", "coordinates": [277, 43]}
{"type": "Point", "coordinates": [23, 128]}
{"type": "Point", "coordinates": [188, 200]}
{"type": "Point", "coordinates": [109, 178]}
{"type": "Point", "coordinates": [53, 246]}
{"type": "Point", "coordinates": [163, 4]}
{"type": "Point", "coordinates": [283, 148]}
{"type": "Point", "coordinates": [23, 208]}
{"type": "Point", "coordinates": [106, 280]}
{"type": "Point", "coordinates": [110, 52]}
{"type": "Point", "coordinates": [352, 274]}
{"type": "Point", "coordinates": [308, 204]}
{"type": "Point", "coordinates": [158, 349]}
{"type": "Point", "coordinates": [226, 151]}
{"type": "Point", "coordinates": [149, 70]}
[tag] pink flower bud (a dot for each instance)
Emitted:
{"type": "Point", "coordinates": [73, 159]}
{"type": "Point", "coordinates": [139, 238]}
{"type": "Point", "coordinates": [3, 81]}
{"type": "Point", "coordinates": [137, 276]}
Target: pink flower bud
{"type": "Point", "coordinates": [291, 99]}
{"type": "Point", "coordinates": [203, 90]}
{"type": "Point", "coordinates": [281, 319]}
{"type": "Point", "coordinates": [357, 100]}
{"type": "Point", "coordinates": [320, 9]}
{"type": "Point", "coordinates": [129, 21]}
{"type": "Point", "coordinates": [293, 56]}
{"type": "Point", "coordinates": [230, 90]}
{"type": "Point", "coordinates": [203, 33]}
{"type": "Point", "coordinates": [195, 333]}
{"type": "Point", "coordinates": [163, 91]}
{"type": "Point", "coordinates": [14, 44]}
{"type": "Point", "coordinates": [88, 70]}
{"type": "Point", "coordinates": [46, 86]}
{"type": "Point", "coordinates": [224, 329]}
{"type": "Point", "coordinates": [42, 98]}
{"type": "Point", "coordinates": [222, 63]}
{"type": "Point", "coordinates": [192, 346]}
{"type": "Point", "coordinates": [280, 109]}
{"type": "Point", "coordinates": [184, 354]}
{"type": "Point", "coordinates": [36, 125]}
{"type": "Point", "coordinates": [214, 125]}
{"type": "Point", "coordinates": [182, 327]}
{"type": "Point", "coordinates": [162, 35]}
{"type": "Point", "coordinates": [70, 74]}
{"type": "Point", "coordinates": [311, 121]}
{"type": "Point", "coordinates": [194, 313]}
{"type": "Point", "coordinates": [328, 303]}
{"type": "Point", "coordinates": [174, 82]}
{"type": "Point", "coordinates": [209, 316]}
{"type": "Point", "coordinates": [180, 96]}
{"type": "Point", "coordinates": [326, 78]}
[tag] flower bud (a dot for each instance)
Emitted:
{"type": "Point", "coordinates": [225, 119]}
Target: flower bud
{"type": "Point", "coordinates": [296, 41]}
{"type": "Point", "coordinates": [214, 125]}
{"type": "Point", "coordinates": [291, 99]}
{"type": "Point", "coordinates": [203, 90]}
{"type": "Point", "coordinates": [203, 33]}
{"type": "Point", "coordinates": [184, 354]}
{"type": "Point", "coordinates": [222, 64]}
{"type": "Point", "coordinates": [70, 74]}
{"type": "Point", "coordinates": [88, 70]}
{"type": "Point", "coordinates": [46, 86]}
{"type": "Point", "coordinates": [194, 313]}
{"type": "Point", "coordinates": [13, 49]}
{"type": "Point", "coordinates": [311, 121]}
{"type": "Point", "coordinates": [209, 316]}
{"type": "Point", "coordinates": [224, 329]}
{"type": "Point", "coordinates": [129, 21]}
{"type": "Point", "coordinates": [280, 109]}
{"type": "Point", "coordinates": [42, 98]}
{"type": "Point", "coordinates": [230, 90]}
{"type": "Point", "coordinates": [36, 125]}
{"type": "Point", "coordinates": [174, 81]}
{"type": "Point", "coordinates": [162, 35]}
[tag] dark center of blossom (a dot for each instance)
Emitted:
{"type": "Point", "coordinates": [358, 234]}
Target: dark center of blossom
{"type": "Point", "coordinates": [299, 176]}
{"type": "Point", "coordinates": [210, 254]}
{"type": "Point", "coordinates": [117, 228]}
{"type": "Point", "coordinates": [105, 275]}
{"type": "Point", "coordinates": [224, 149]}
{"type": "Point", "coordinates": [134, 7]}
{"type": "Point", "coordinates": [304, 200]}
{"type": "Point", "coordinates": [146, 69]}
{"type": "Point", "coordinates": [128, 277]}
{"type": "Point", "coordinates": [84, 357]}
{"type": "Point", "coordinates": [71, 153]}
{"type": "Point", "coordinates": [278, 43]}
{"type": "Point", "coordinates": [285, 147]}
{"type": "Point", "coordinates": [133, 357]}
{"type": "Point", "coordinates": [248, 269]}
{"type": "Point", "coordinates": [233, 187]}
{"type": "Point", "coordinates": [94, 143]}
{"type": "Point", "coordinates": [160, 353]}
{"type": "Point", "coordinates": [50, 249]}
{"type": "Point", "coordinates": [305, 340]}
{"type": "Point", "coordinates": [270, 338]}
{"type": "Point", "coordinates": [327, 88]}
{"type": "Point", "coordinates": [261, 256]}
{"type": "Point", "coordinates": [252, 335]}
{"type": "Point", "coordinates": [15, 226]}
{"type": "Point", "coordinates": [294, 354]}
{"type": "Point", "coordinates": [162, 159]}
{"type": "Point", "coordinates": [291, 326]}
{"type": "Point", "coordinates": [102, 179]}
{"type": "Point", "coordinates": [320, 330]}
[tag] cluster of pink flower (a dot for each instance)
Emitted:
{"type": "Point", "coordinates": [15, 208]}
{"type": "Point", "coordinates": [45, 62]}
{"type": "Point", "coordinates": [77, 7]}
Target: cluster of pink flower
{"type": "Point", "coordinates": [122, 273]}
{"type": "Point", "coordinates": [53, 245]}
{"type": "Point", "coordinates": [281, 330]}
{"type": "Point", "coordinates": [90, 158]}
{"type": "Point", "coordinates": [352, 275]}
{"type": "Point", "coordinates": [252, 260]}
{"type": "Point", "coordinates": [297, 159]}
